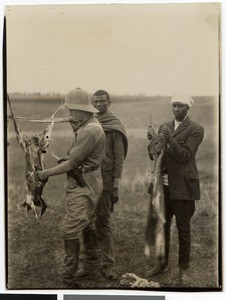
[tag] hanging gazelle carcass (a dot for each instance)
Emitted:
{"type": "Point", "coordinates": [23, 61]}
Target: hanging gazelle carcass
{"type": "Point", "coordinates": [33, 149]}
{"type": "Point", "coordinates": [154, 232]}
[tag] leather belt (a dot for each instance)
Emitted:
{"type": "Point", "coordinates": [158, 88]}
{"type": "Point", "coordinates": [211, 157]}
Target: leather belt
{"type": "Point", "coordinates": [88, 169]}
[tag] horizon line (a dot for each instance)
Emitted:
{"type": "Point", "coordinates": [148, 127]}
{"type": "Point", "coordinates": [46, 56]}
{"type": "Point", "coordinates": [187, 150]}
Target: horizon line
{"type": "Point", "coordinates": [57, 95]}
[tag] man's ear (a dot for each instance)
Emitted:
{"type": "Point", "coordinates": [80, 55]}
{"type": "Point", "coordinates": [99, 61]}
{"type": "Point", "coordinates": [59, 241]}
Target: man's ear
{"type": "Point", "coordinates": [109, 102]}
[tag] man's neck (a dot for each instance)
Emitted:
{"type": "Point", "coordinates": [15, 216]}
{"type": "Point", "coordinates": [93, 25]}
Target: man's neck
{"type": "Point", "coordinates": [99, 114]}
{"type": "Point", "coordinates": [181, 120]}
{"type": "Point", "coordinates": [86, 119]}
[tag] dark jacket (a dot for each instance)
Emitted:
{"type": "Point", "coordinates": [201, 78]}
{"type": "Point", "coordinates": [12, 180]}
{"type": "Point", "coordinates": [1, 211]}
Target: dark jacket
{"type": "Point", "coordinates": [116, 149]}
{"type": "Point", "coordinates": [179, 160]}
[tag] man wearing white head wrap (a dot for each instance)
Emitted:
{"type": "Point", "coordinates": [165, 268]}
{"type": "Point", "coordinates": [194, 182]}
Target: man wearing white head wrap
{"type": "Point", "coordinates": [180, 179]}
{"type": "Point", "coordinates": [182, 98]}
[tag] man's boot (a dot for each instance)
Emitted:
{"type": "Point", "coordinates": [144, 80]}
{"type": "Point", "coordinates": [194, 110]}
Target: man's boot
{"type": "Point", "coordinates": [90, 258]}
{"type": "Point", "coordinates": [109, 273]}
{"type": "Point", "coordinates": [71, 260]}
{"type": "Point", "coordinates": [158, 269]}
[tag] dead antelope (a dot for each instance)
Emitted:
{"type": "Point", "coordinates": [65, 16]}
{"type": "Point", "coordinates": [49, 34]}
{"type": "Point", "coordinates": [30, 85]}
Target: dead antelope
{"type": "Point", "coordinates": [154, 233]}
{"type": "Point", "coordinates": [33, 149]}
{"type": "Point", "coordinates": [134, 281]}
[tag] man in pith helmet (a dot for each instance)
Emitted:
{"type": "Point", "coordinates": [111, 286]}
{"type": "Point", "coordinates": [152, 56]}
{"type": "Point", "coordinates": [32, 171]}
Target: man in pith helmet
{"type": "Point", "coordinates": [180, 180]}
{"type": "Point", "coordinates": [84, 186]}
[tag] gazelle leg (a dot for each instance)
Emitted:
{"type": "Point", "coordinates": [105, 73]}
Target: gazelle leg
{"type": "Point", "coordinates": [31, 204]}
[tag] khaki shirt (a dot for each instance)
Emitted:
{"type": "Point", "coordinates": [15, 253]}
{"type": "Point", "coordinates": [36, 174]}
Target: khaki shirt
{"type": "Point", "coordinates": [88, 145]}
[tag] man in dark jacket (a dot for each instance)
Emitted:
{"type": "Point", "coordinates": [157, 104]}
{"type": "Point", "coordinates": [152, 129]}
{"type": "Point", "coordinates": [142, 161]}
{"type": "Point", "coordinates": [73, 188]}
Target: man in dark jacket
{"type": "Point", "coordinates": [111, 169]}
{"type": "Point", "coordinates": [180, 179]}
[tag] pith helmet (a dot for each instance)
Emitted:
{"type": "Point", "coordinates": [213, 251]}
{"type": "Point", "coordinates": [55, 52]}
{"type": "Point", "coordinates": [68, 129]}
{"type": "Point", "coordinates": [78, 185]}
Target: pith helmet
{"type": "Point", "coordinates": [80, 100]}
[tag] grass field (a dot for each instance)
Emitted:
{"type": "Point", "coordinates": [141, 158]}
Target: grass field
{"type": "Point", "coordinates": [35, 248]}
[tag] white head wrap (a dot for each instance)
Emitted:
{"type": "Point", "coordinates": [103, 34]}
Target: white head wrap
{"type": "Point", "coordinates": [182, 98]}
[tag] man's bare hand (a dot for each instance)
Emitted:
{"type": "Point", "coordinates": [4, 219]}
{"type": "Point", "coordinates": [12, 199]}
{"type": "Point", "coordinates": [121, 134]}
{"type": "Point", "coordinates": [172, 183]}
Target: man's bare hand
{"type": "Point", "coordinates": [166, 132]}
{"type": "Point", "coordinates": [42, 175]}
{"type": "Point", "coordinates": [115, 196]}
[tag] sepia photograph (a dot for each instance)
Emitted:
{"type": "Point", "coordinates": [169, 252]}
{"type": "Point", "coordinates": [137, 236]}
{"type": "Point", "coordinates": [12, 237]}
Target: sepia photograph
{"type": "Point", "coordinates": [112, 146]}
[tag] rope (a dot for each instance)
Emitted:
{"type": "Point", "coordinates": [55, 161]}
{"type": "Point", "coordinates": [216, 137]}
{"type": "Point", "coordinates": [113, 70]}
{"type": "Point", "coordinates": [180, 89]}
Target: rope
{"type": "Point", "coordinates": [39, 120]}
{"type": "Point", "coordinates": [36, 120]}
{"type": "Point", "coordinates": [57, 110]}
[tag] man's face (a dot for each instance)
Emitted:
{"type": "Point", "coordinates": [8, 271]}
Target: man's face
{"type": "Point", "coordinates": [180, 110]}
{"type": "Point", "coordinates": [101, 103]}
{"type": "Point", "coordinates": [75, 118]}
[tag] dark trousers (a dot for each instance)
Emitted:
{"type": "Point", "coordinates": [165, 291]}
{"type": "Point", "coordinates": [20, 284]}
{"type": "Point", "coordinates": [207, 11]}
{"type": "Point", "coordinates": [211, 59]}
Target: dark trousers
{"type": "Point", "coordinates": [104, 231]}
{"type": "Point", "coordinates": [183, 211]}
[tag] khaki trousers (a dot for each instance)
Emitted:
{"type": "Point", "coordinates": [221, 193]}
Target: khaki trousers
{"type": "Point", "coordinates": [81, 203]}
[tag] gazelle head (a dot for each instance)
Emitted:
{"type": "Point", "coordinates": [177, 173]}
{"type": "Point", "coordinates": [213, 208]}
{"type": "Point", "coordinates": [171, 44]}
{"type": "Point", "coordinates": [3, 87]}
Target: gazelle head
{"type": "Point", "coordinates": [157, 142]}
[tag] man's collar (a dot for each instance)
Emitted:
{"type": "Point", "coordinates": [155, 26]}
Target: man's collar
{"type": "Point", "coordinates": [101, 114]}
{"type": "Point", "coordinates": [83, 124]}
{"type": "Point", "coordinates": [179, 122]}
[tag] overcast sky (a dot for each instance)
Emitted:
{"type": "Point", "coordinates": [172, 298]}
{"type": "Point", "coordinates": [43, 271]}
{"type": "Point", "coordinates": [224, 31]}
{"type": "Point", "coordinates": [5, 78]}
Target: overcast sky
{"type": "Point", "coordinates": [125, 49]}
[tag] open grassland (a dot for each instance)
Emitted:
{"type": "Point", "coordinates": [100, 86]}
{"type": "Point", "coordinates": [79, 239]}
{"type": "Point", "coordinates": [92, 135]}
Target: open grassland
{"type": "Point", "coordinates": [35, 248]}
